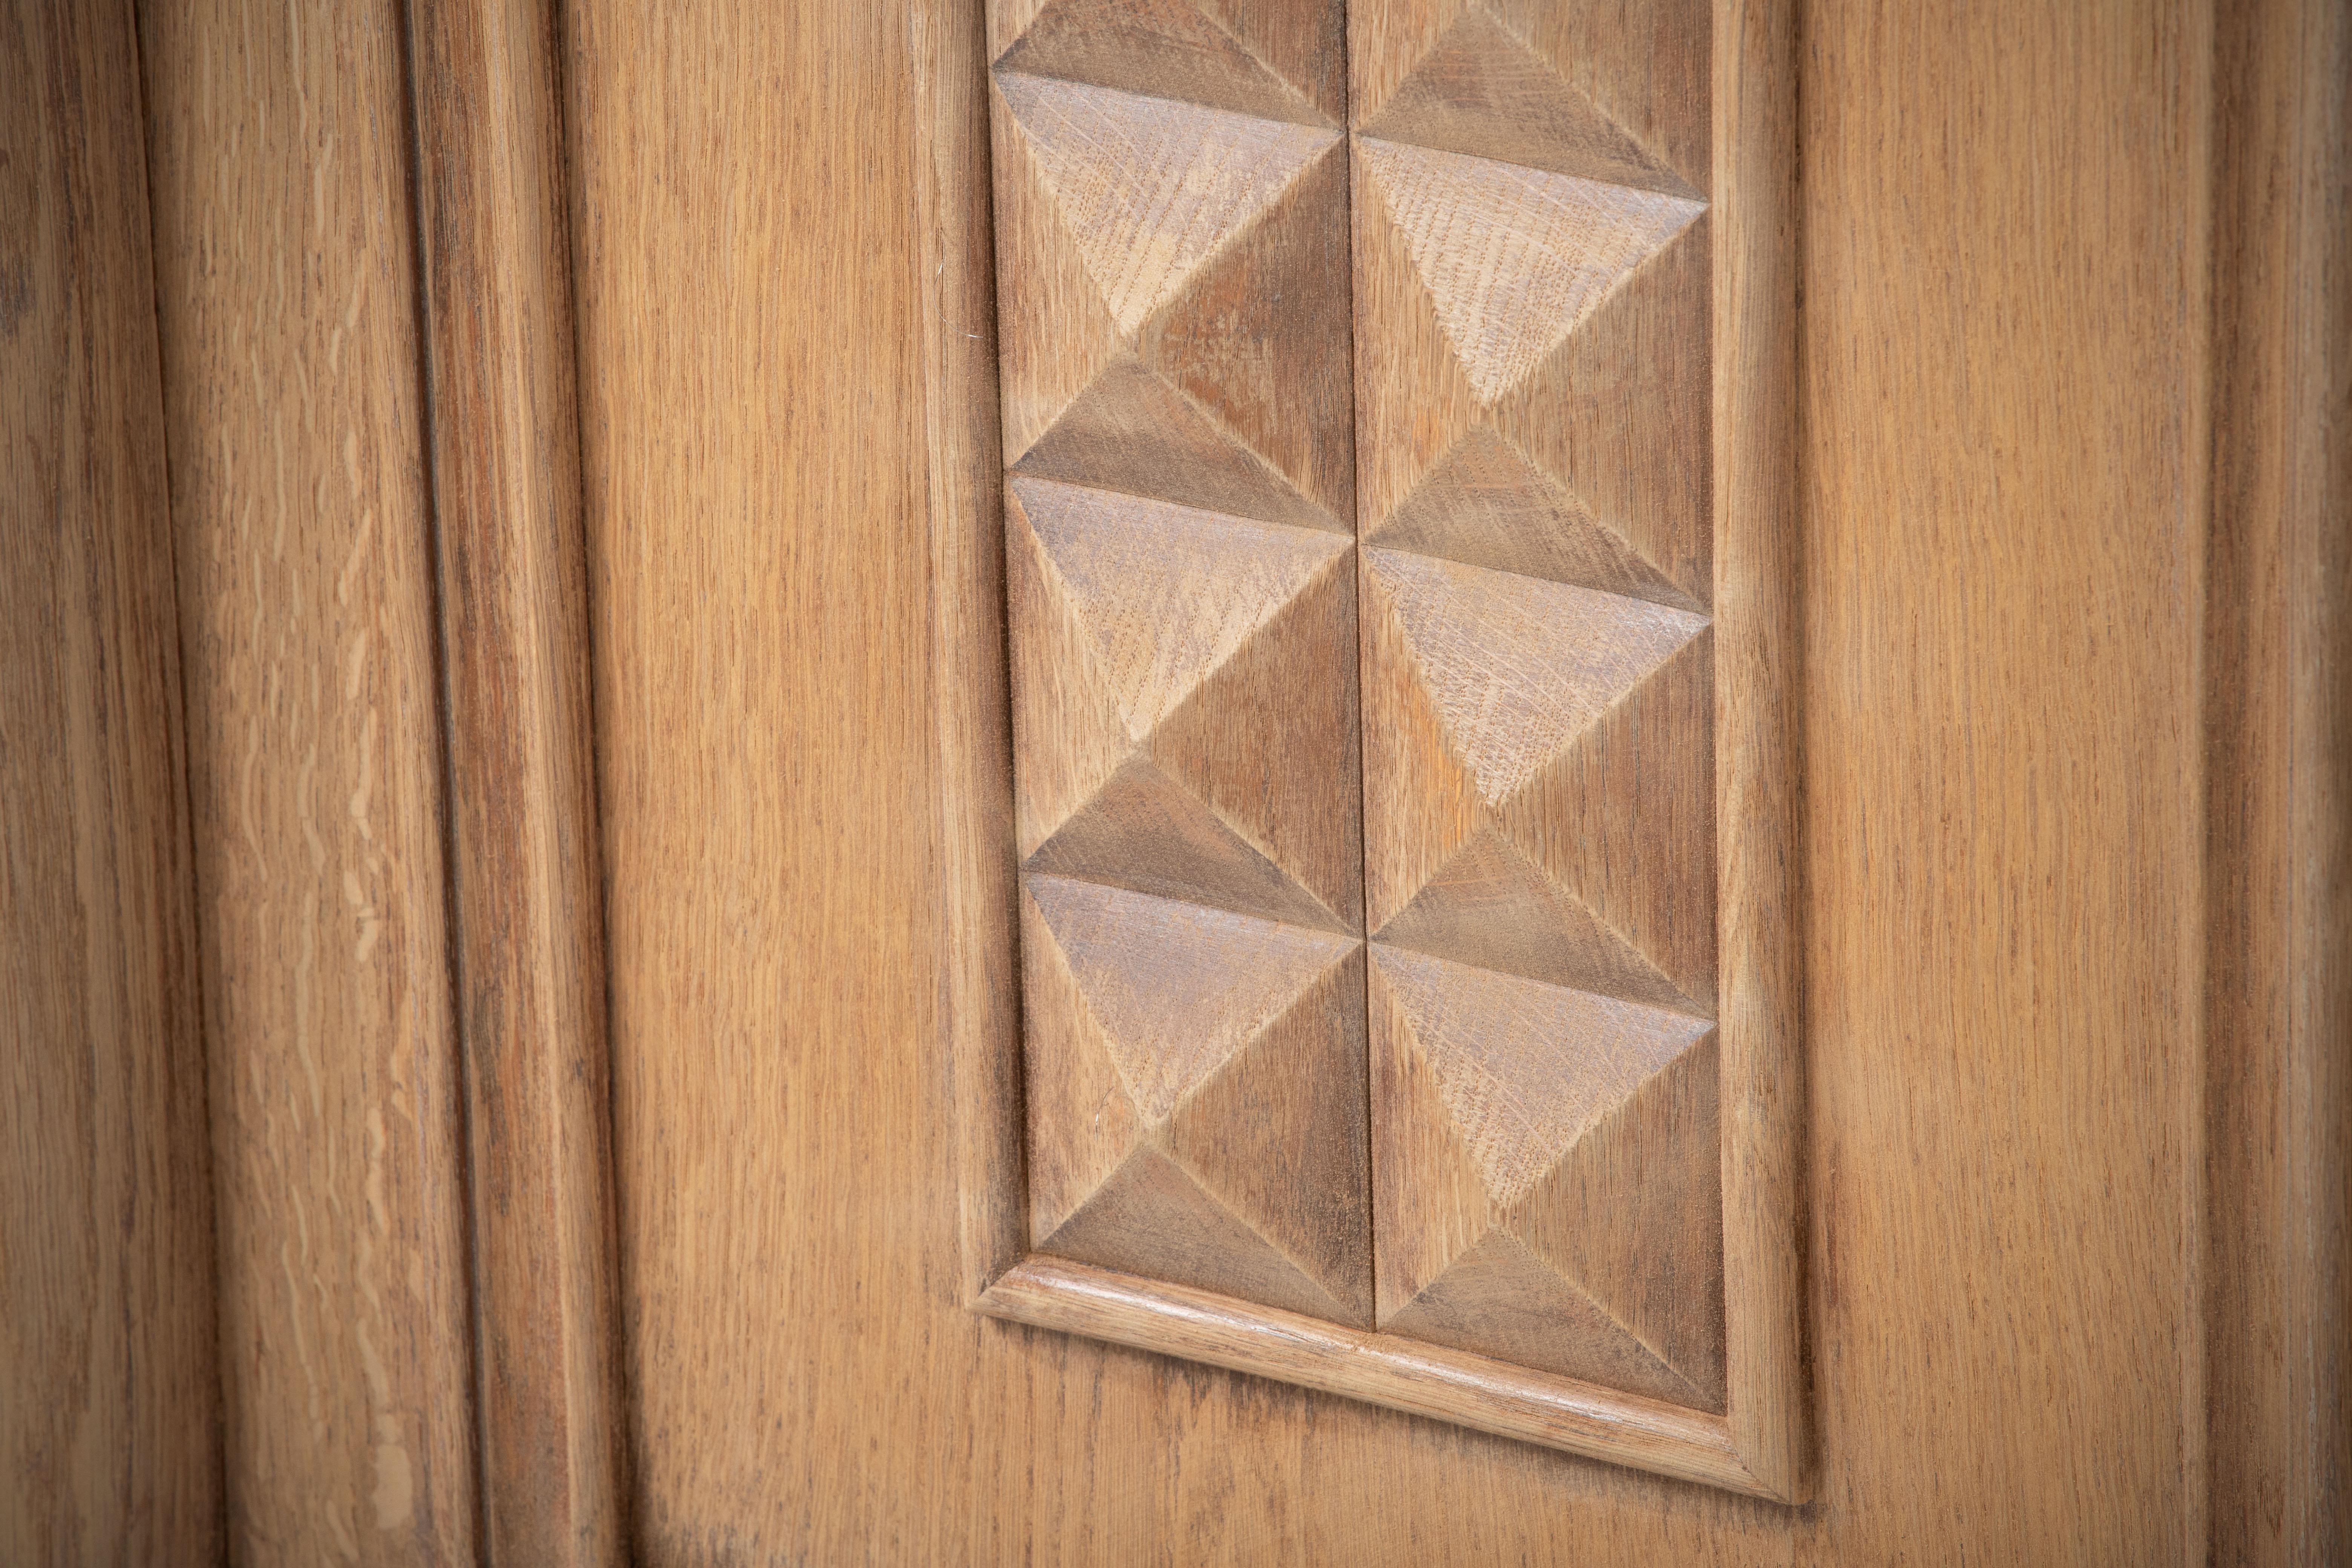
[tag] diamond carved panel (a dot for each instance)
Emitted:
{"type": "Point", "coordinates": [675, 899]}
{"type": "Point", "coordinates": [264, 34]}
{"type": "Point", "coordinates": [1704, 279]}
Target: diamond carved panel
{"type": "Point", "coordinates": [1364, 557]}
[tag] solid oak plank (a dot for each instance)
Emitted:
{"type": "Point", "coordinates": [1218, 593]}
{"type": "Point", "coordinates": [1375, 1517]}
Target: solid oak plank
{"type": "Point", "coordinates": [110, 1391]}
{"type": "Point", "coordinates": [529, 909]}
{"type": "Point", "coordinates": [2278, 826]}
{"type": "Point", "coordinates": [2000, 740]}
{"type": "Point", "coordinates": [286, 279]}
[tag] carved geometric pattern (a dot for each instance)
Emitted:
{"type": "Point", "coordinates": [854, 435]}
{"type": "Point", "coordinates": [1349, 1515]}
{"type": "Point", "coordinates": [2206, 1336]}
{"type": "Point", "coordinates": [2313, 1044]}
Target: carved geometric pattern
{"type": "Point", "coordinates": [1196, 1084]}
{"type": "Point", "coordinates": [1539, 778]}
{"type": "Point", "coordinates": [1356, 391]}
{"type": "Point", "coordinates": [1532, 323]}
{"type": "Point", "coordinates": [1176, 276]}
{"type": "Point", "coordinates": [1173, 326]}
{"type": "Point", "coordinates": [1544, 1178]}
{"type": "Point", "coordinates": [1276, 62]}
{"type": "Point", "coordinates": [1185, 701]}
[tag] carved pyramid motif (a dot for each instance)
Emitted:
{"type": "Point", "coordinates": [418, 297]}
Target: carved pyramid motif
{"type": "Point", "coordinates": [1544, 1177]}
{"type": "Point", "coordinates": [1185, 701]}
{"type": "Point", "coordinates": [1514, 258]}
{"type": "Point", "coordinates": [1532, 355]}
{"type": "Point", "coordinates": [1368, 889]}
{"type": "Point", "coordinates": [1196, 1080]}
{"type": "Point", "coordinates": [1171, 325]}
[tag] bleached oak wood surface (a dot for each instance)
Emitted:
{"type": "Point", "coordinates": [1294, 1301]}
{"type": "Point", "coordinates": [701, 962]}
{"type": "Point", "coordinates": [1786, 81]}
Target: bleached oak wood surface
{"type": "Point", "coordinates": [281, 158]}
{"type": "Point", "coordinates": [2071, 493]}
{"type": "Point", "coordinates": [1999, 706]}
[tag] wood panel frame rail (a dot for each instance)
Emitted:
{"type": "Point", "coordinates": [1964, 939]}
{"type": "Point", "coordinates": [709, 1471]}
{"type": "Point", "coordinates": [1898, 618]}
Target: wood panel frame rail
{"type": "Point", "coordinates": [1760, 1445]}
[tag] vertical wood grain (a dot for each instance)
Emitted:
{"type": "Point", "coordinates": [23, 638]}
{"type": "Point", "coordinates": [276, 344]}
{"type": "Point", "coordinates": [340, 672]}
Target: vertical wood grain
{"type": "Point", "coordinates": [2278, 844]}
{"type": "Point", "coordinates": [745, 241]}
{"type": "Point", "coordinates": [979, 973]}
{"type": "Point", "coordinates": [1998, 703]}
{"type": "Point", "coordinates": [530, 931]}
{"type": "Point", "coordinates": [286, 276]}
{"type": "Point", "coordinates": [1760, 905]}
{"type": "Point", "coordinates": [2001, 332]}
{"type": "Point", "coordinates": [109, 1401]}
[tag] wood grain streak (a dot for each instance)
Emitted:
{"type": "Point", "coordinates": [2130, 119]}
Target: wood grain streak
{"type": "Point", "coordinates": [286, 278]}
{"type": "Point", "coordinates": [1760, 809]}
{"type": "Point", "coordinates": [979, 971]}
{"type": "Point", "coordinates": [109, 1392]}
{"type": "Point", "coordinates": [530, 917]}
{"type": "Point", "coordinates": [1997, 220]}
{"type": "Point", "coordinates": [2277, 1419]}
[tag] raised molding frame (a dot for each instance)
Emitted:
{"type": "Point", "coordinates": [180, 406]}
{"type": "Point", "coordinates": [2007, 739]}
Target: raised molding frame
{"type": "Point", "coordinates": [1760, 1446]}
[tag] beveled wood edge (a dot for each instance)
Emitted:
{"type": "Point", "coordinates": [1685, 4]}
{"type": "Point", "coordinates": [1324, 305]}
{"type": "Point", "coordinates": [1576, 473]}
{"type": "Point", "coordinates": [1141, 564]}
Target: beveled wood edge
{"type": "Point", "coordinates": [502, 457]}
{"type": "Point", "coordinates": [979, 994]}
{"type": "Point", "coordinates": [1760, 1449]}
{"type": "Point", "coordinates": [2270, 1111]}
{"type": "Point", "coordinates": [1381, 1369]}
{"type": "Point", "coordinates": [1758, 800]}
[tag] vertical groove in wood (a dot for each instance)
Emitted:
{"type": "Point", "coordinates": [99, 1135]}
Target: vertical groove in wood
{"type": "Point", "coordinates": [285, 283]}
{"type": "Point", "coordinates": [529, 937]}
{"type": "Point", "coordinates": [109, 1392]}
{"type": "Point", "coordinates": [1758, 811]}
{"type": "Point", "coordinates": [979, 973]}
{"type": "Point", "coordinates": [2278, 714]}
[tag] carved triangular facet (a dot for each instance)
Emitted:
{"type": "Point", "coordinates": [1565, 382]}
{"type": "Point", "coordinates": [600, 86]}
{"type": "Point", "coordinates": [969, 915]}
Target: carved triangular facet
{"type": "Point", "coordinates": [1627, 427]}
{"type": "Point", "coordinates": [1169, 592]}
{"type": "Point", "coordinates": [1492, 907]}
{"type": "Point", "coordinates": [1647, 67]}
{"type": "Point", "coordinates": [1260, 338]}
{"type": "Point", "coordinates": [1054, 334]}
{"type": "Point", "coordinates": [1384, 43]}
{"type": "Point", "coordinates": [1130, 431]}
{"type": "Point", "coordinates": [1413, 401]}
{"type": "Point", "coordinates": [1305, 42]}
{"type": "Point", "coordinates": [1065, 719]}
{"type": "Point", "coordinates": [1525, 1067]}
{"type": "Point", "coordinates": [1483, 92]}
{"type": "Point", "coordinates": [1143, 830]}
{"type": "Point", "coordinates": [1149, 187]}
{"type": "Point", "coordinates": [1278, 1136]}
{"type": "Point", "coordinates": [1421, 805]}
{"type": "Point", "coordinates": [1517, 665]}
{"type": "Point", "coordinates": [1167, 48]}
{"type": "Point", "coordinates": [1484, 505]}
{"type": "Point", "coordinates": [1500, 1300]}
{"type": "Point", "coordinates": [1082, 1122]}
{"type": "Point", "coordinates": [1269, 740]}
{"type": "Point", "coordinates": [1152, 1219]}
{"type": "Point", "coordinates": [1429, 1198]}
{"type": "Point", "coordinates": [1177, 989]}
{"type": "Point", "coordinates": [1634, 1215]}
{"type": "Point", "coordinates": [1624, 815]}
{"type": "Point", "coordinates": [1514, 257]}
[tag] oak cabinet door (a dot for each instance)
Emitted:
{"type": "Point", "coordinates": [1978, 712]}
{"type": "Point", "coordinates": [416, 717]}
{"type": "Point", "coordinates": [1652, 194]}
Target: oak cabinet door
{"type": "Point", "coordinates": [1181, 781]}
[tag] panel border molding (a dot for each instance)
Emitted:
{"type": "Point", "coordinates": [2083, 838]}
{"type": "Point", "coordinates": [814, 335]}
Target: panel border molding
{"type": "Point", "coordinates": [1760, 1445]}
